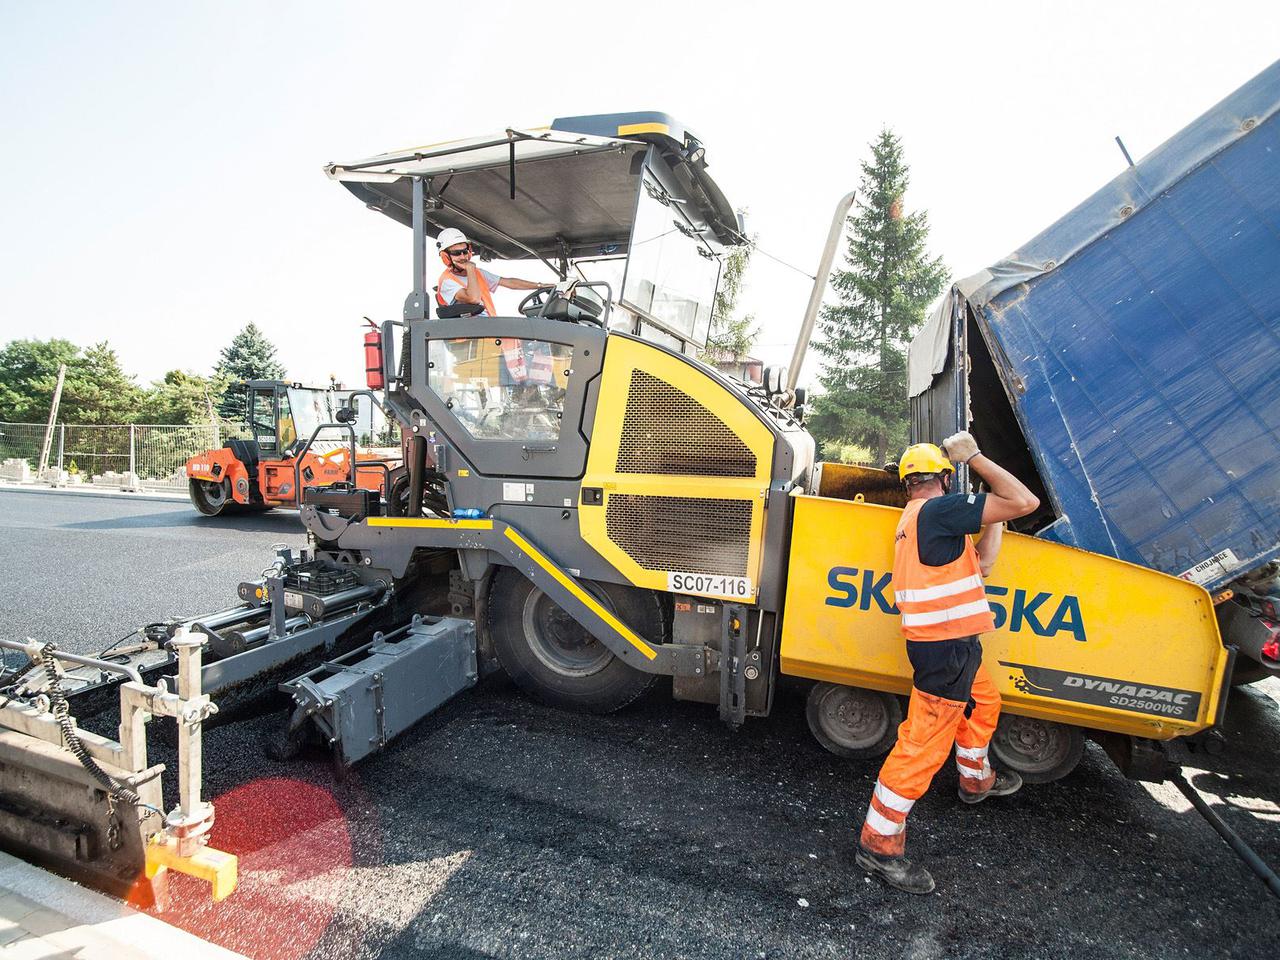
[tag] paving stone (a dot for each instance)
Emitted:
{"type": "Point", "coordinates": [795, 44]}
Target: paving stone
{"type": "Point", "coordinates": [43, 922]}
{"type": "Point", "coordinates": [13, 907]}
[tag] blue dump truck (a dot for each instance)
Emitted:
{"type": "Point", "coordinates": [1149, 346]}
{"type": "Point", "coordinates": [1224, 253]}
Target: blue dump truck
{"type": "Point", "coordinates": [1124, 364]}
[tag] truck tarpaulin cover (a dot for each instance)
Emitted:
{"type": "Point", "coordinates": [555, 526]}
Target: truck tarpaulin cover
{"type": "Point", "coordinates": [1139, 341]}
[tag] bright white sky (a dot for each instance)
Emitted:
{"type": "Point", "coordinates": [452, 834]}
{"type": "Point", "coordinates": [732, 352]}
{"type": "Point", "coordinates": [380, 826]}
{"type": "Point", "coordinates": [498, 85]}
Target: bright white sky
{"type": "Point", "coordinates": [162, 176]}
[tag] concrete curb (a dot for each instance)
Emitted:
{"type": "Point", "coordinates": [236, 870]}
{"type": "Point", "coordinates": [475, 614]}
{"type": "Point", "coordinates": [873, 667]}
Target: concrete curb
{"type": "Point", "coordinates": [44, 915]}
{"type": "Point", "coordinates": [87, 490]}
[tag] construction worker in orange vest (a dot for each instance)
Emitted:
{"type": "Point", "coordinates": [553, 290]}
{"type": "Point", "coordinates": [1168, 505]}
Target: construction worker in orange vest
{"type": "Point", "coordinates": [463, 281]}
{"type": "Point", "coordinates": [938, 588]}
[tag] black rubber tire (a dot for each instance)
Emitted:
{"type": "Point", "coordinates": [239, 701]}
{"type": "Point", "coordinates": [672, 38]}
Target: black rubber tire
{"type": "Point", "coordinates": [1040, 750]}
{"type": "Point", "coordinates": [590, 679]}
{"type": "Point", "coordinates": [853, 722]}
{"type": "Point", "coordinates": [209, 497]}
{"type": "Point", "coordinates": [1248, 670]}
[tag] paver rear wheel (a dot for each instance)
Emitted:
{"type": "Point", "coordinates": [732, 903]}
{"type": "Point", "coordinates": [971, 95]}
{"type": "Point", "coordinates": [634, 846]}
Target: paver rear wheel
{"type": "Point", "coordinates": [853, 722]}
{"type": "Point", "coordinates": [210, 497]}
{"type": "Point", "coordinates": [1040, 750]}
{"type": "Point", "coordinates": [553, 658]}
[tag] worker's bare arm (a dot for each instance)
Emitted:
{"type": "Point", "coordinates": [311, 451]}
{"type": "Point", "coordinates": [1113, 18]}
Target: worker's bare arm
{"type": "Point", "coordinates": [514, 283]}
{"type": "Point", "coordinates": [989, 547]}
{"type": "Point", "coordinates": [1007, 497]}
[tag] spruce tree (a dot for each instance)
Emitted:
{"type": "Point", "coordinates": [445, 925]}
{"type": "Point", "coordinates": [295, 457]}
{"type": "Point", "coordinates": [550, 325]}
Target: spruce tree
{"type": "Point", "coordinates": [98, 390]}
{"type": "Point", "coordinates": [249, 356]}
{"type": "Point", "coordinates": [888, 282]}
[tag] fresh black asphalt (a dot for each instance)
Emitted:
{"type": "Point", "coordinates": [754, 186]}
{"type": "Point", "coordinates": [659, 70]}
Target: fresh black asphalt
{"type": "Point", "coordinates": [502, 828]}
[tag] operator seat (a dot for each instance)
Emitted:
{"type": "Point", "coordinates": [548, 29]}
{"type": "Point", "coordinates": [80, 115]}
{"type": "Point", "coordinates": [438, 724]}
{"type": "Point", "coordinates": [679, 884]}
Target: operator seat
{"type": "Point", "coordinates": [248, 453]}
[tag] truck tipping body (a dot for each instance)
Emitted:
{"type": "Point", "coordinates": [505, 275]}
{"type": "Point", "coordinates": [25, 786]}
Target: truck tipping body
{"type": "Point", "coordinates": [1123, 361]}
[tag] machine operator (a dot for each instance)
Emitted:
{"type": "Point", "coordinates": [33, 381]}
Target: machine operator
{"type": "Point", "coordinates": [463, 281]}
{"type": "Point", "coordinates": [938, 586]}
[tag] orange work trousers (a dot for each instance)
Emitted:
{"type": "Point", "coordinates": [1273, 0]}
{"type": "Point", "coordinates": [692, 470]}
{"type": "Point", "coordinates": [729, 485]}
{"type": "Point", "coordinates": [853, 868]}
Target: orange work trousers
{"type": "Point", "coordinates": [925, 739]}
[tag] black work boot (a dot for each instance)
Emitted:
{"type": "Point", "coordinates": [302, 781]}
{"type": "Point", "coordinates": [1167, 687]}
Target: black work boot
{"type": "Point", "coordinates": [898, 872]}
{"type": "Point", "coordinates": [1006, 782]}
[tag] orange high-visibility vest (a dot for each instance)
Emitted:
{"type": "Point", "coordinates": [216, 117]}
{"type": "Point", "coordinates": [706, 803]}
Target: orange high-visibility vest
{"type": "Point", "coordinates": [484, 291]}
{"type": "Point", "coordinates": [937, 603]}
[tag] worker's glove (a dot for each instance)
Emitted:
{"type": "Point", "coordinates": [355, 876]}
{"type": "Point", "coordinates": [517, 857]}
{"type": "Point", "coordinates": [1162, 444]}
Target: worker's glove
{"type": "Point", "coordinates": [960, 447]}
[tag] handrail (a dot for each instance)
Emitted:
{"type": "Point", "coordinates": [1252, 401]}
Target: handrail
{"type": "Point", "coordinates": [36, 650]}
{"type": "Point", "coordinates": [297, 460]}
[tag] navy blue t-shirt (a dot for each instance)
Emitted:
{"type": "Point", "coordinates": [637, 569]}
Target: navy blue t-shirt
{"type": "Point", "coordinates": [943, 523]}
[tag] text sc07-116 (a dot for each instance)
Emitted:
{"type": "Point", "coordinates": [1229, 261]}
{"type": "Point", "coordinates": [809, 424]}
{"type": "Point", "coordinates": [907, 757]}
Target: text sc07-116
{"type": "Point", "coordinates": [706, 585]}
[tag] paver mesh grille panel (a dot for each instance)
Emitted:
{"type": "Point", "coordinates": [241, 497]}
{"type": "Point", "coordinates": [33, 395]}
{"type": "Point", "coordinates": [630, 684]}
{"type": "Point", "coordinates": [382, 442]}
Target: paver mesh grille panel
{"type": "Point", "coordinates": [666, 431]}
{"type": "Point", "coordinates": [682, 534]}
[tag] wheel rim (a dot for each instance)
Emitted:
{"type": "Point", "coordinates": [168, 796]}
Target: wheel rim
{"type": "Point", "coordinates": [212, 494]}
{"type": "Point", "coordinates": [1032, 746]}
{"type": "Point", "coordinates": [559, 641]}
{"type": "Point", "coordinates": [854, 719]}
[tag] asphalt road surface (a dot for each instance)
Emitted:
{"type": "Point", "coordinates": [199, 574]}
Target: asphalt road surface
{"type": "Point", "coordinates": [502, 828]}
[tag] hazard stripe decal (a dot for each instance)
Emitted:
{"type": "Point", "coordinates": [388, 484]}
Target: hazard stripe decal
{"type": "Point", "coordinates": [589, 601]}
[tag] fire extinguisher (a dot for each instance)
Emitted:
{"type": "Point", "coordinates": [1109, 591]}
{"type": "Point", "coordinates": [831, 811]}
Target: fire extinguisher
{"type": "Point", "coordinates": [373, 356]}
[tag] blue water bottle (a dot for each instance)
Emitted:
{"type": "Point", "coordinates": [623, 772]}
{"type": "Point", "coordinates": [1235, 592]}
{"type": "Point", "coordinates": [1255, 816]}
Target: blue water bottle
{"type": "Point", "coordinates": [467, 513]}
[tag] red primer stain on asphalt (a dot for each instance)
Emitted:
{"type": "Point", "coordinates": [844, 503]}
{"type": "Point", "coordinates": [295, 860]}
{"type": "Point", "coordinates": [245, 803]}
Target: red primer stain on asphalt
{"type": "Point", "coordinates": [286, 833]}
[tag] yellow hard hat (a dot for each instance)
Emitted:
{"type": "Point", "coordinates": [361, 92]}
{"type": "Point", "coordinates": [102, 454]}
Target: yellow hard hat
{"type": "Point", "coordinates": [923, 458]}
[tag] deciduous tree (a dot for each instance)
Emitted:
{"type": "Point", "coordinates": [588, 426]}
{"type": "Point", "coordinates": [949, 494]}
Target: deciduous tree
{"type": "Point", "coordinates": [28, 374]}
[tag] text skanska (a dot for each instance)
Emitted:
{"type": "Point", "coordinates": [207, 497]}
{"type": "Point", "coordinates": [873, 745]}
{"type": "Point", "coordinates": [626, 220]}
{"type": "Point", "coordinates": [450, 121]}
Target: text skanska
{"type": "Point", "coordinates": [1044, 614]}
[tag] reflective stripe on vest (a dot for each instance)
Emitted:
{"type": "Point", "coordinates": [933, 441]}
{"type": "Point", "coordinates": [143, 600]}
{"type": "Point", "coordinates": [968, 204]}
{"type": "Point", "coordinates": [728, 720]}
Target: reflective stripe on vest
{"type": "Point", "coordinates": [484, 291]}
{"type": "Point", "coordinates": [937, 603]}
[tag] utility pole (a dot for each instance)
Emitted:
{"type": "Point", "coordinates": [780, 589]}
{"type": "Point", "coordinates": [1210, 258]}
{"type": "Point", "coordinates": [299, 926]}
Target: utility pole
{"type": "Point", "coordinates": [53, 418]}
{"type": "Point", "coordinates": [213, 420]}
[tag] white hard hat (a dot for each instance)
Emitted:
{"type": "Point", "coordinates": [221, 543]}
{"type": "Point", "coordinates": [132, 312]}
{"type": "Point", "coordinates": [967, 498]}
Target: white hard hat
{"type": "Point", "coordinates": [450, 237]}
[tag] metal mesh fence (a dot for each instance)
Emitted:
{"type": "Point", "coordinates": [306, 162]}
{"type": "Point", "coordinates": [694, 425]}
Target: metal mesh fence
{"type": "Point", "coordinates": [156, 453]}
{"type": "Point", "coordinates": [21, 441]}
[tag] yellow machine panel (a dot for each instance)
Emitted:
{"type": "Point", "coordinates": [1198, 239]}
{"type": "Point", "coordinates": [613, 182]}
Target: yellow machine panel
{"type": "Point", "coordinates": [1080, 638]}
{"type": "Point", "coordinates": [683, 466]}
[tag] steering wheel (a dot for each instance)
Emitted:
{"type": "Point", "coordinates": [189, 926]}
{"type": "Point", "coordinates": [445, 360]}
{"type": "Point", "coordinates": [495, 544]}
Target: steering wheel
{"type": "Point", "coordinates": [535, 300]}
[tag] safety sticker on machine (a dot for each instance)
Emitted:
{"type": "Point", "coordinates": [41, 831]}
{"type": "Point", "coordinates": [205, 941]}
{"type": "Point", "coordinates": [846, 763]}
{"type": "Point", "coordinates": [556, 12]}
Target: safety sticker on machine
{"type": "Point", "coordinates": [705, 585]}
{"type": "Point", "coordinates": [1219, 565]}
{"type": "Point", "coordinates": [521, 492]}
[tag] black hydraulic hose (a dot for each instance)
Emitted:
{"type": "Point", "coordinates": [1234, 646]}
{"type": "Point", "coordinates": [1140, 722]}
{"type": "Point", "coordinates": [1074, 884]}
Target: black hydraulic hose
{"type": "Point", "coordinates": [62, 714]}
{"type": "Point", "coordinates": [1242, 849]}
{"type": "Point", "coordinates": [417, 476]}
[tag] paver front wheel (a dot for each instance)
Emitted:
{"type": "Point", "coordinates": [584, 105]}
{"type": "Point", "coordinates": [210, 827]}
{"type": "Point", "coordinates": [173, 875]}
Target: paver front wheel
{"type": "Point", "coordinates": [553, 658]}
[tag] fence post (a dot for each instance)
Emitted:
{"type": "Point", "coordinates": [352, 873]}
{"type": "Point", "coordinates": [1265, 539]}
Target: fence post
{"type": "Point", "coordinates": [132, 464]}
{"type": "Point", "coordinates": [62, 442]}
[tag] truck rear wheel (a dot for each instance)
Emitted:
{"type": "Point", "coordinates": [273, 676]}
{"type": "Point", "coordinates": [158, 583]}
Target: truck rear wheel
{"type": "Point", "coordinates": [210, 497]}
{"type": "Point", "coordinates": [553, 658]}
{"type": "Point", "coordinates": [1040, 750]}
{"type": "Point", "coordinates": [1248, 670]}
{"type": "Point", "coordinates": [853, 722]}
